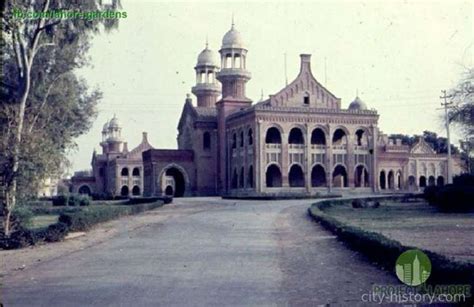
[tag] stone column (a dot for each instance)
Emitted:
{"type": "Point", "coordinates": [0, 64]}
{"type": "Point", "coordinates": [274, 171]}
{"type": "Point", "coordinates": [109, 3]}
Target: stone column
{"type": "Point", "coordinates": [284, 160]}
{"type": "Point", "coordinates": [350, 161]}
{"type": "Point", "coordinates": [375, 181]}
{"type": "Point", "coordinates": [308, 161]}
{"type": "Point", "coordinates": [329, 159]}
{"type": "Point", "coordinates": [261, 158]}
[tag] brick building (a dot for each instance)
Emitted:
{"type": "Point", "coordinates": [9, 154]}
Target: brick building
{"type": "Point", "coordinates": [300, 140]}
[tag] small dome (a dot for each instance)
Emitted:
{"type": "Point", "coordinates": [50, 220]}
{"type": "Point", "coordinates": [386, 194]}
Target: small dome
{"type": "Point", "coordinates": [233, 39]}
{"type": "Point", "coordinates": [357, 104]}
{"type": "Point", "coordinates": [106, 127]}
{"type": "Point", "coordinates": [206, 57]}
{"type": "Point", "coordinates": [114, 123]}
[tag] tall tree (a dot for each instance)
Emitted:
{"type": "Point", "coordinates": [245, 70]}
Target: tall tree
{"type": "Point", "coordinates": [462, 113]}
{"type": "Point", "coordinates": [438, 143]}
{"type": "Point", "coordinates": [44, 105]}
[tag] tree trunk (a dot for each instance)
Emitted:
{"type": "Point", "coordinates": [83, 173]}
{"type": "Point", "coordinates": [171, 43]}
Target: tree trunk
{"type": "Point", "coordinates": [10, 199]}
{"type": "Point", "coordinates": [27, 58]}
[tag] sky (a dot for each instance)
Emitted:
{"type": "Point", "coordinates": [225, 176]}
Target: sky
{"type": "Point", "coordinates": [397, 55]}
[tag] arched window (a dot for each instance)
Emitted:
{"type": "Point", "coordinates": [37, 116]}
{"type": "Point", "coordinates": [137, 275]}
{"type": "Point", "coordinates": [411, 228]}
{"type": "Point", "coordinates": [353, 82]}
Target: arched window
{"type": "Point", "coordinates": [339, 177]}
{"type": "Point", "coordinates": [241, 139]}
{"type": "Point", "coordinates": [238, 62]}
{"type": "Point", "coordinates": [273, 176]}
{"type": "Point", "coordinates": [382, 179]}
{"type": "Point", "coordinates": [361, 177]}
{"type": "Point", "coordinates": [296, 136]}
{"type": "Point", "coordinates": [124, 191]}
{"type": "Point", "coordinates": [84, 190]}
{"type": "Point", "coordinates": [361, 138]}
{"type": "Point", "coordinates": [431, 181]}
{"type": "Point", "coordinates": [440, 181]}
{"type": "Point", "coordinates": [391, 180]}
{"type": "Point", "coordinates": [124, 171]}
{"type": "Point", "coordinates": [206, 141]}
{"type": "Point", "coordinates": [136, 190]}
{"type": "Point", "coordinates": [318, 137]}
{"type": "Point", "coordinates": [101, 172]}
{"type": "Point", "coordinates": [273, 136]}
{"type": "Point", "coordinates": [339, 137]}
{"type": "Point", "coordinates": [228, 61]}
{"type": "Point", "coordinates": [306, 99]}
{"type": "Point", "coordinates": [422, 182]}
{"type": "Point", "coordinates": [250, 177]}
{"type": "Point", "coordinates": [235, 180]}
{"type": "Point", "coordinates": [250, 137]}
{"type": "Point", "coordinates": [411, 182]}
{"type": "Point", "coordinates": [136, 172]}
{"type": "Point", "coordinates": [210, 77]}
{"type": "Point", "coordinates": [318, 176]}
{"type": "Point", "coordinates": [296, 176]}
{"type": "Point", "coordinates": [234, 140]}
{"type": "Point", "coordinates": [241, 178]}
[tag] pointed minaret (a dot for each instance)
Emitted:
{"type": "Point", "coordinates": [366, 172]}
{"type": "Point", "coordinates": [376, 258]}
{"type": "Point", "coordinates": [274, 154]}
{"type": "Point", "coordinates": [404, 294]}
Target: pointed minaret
{"type": "Point", "coordinates": [233, 74]}
{"type": "Point", "coordinates": [207, 89]}
{"type": "Point", "coordinates": [233, 77]}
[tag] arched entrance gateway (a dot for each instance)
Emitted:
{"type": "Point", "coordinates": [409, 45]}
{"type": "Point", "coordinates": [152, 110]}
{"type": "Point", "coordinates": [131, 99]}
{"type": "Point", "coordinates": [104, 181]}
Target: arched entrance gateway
{"type": "Point", "coordinates": [174, 181]}
{"type": "Point", "coordinates": [85, 190]}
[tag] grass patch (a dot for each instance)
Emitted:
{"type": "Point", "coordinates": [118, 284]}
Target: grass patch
{"type": "Point", "coordinates": [365, 230]}
{"type": "Point", "coordinates": [51, 224]}
{"type": "Point", "coordinates": [43, 221]}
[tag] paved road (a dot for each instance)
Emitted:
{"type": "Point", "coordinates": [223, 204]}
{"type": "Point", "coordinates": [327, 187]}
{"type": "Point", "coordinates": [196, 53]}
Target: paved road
{"type": "Point", "coordinates": [206, 252]}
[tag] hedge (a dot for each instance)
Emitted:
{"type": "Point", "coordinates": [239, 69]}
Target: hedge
{"type": "Point", "coordinates": [74, 220]}
{"type": "Point", "coordinates": [85, 219]}
{"type": "Point", "coordinates": [71, 200]}
{"type": "Point", "coordinates": [385, 251]}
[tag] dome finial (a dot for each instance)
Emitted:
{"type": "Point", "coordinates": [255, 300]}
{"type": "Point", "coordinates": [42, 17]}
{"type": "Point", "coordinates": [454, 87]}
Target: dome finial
{"type": "Point", "coordinates": [233, 23]}
{"type": "Point", "coordinates": [207, 42]}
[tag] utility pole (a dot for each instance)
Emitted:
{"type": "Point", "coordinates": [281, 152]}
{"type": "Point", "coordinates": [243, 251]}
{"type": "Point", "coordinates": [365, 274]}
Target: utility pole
{"type": "Point", "coordinates": [446, 104]}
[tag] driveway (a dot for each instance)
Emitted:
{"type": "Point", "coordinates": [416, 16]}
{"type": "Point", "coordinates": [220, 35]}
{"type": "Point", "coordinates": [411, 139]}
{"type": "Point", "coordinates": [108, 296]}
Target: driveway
{"type": "Point", "coordinates": [202, 252]}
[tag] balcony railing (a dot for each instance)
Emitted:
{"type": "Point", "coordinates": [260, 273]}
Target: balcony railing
{"type": "Point", "coordinates": [296, 146]}
{"type": "Point", "coordinates": [318, 147]}
{"type": "Point", "coordinates": [339, 147]}
{"type": "Point", "coordinates": [273, 146]}
{"type": "Point", "coordinates": [361, 147]}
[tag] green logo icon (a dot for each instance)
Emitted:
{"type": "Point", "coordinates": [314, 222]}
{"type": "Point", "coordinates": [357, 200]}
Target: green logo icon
{"type": "Point", "coordinates": [413, 267]}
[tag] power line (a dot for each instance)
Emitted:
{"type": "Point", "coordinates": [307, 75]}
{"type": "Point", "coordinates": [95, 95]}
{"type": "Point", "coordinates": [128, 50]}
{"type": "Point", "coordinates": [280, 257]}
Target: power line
{"type": "Point", "coordinates": [446, 105]}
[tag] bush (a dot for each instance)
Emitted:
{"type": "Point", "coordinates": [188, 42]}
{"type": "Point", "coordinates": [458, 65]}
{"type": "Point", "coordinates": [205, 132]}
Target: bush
{"type": "Point", "coordinates": [144, 200]}
{"type": "Point", "coordinates": [452, 198]}
{"type": "Point", "coordinates": [22, 215]}
{"type": "Point", "coordinates": [72, 200]}
{"type": "Point", "coordinates": [55, 232]}
{"type": "Point", "coordinates": [72, 219]}
{"type": "Point", "coordinates": [18, 239]}
{"type": "Point", "coordinates": [429, 194]}
{"type": "Point", "coordinates": [88, 217]}
{"type": "Point", "coordinates": [357, 203]}
{"type": "Point", "coordinates": [464, 180]}
{"type": "Point", "coordinates": [60, 200]}
{"type": "Point", "coordinates": [78, 200]}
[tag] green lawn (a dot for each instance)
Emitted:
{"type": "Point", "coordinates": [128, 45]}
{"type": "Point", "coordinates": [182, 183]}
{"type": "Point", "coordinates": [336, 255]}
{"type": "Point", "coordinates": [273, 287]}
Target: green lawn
{"type": "Point", "coordinates": [42, 221]}
{"type": "Point", "coordinates": [415, 224]}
